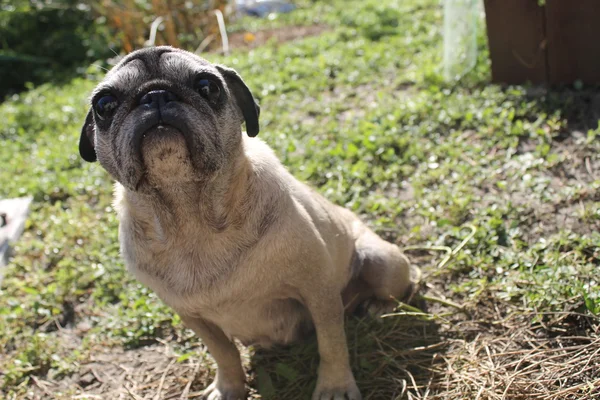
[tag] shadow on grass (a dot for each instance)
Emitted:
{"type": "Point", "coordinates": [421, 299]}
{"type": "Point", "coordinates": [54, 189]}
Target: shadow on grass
{"type": "Point", "coordinates": [579, 108]}
{"type": "Point", "coordinates": [390, 357]}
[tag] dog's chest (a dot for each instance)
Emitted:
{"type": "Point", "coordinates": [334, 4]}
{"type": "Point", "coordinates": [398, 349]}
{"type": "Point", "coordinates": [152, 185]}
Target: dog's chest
{"type": "Point", "coordinates": [261, 322]}
{"type": "Point", "coordinates": [219, 286]}
{"type": "Point", "coordinates": [180, 265]}
{"type": "Point", "coordinates": [234, 305]}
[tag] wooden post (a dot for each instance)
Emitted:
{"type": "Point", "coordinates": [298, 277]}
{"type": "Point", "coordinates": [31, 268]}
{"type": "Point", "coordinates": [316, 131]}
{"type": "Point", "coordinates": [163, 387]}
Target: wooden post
{"type": "Point", "coordinates": [573, 32]}
{"type": "Point", "coordinates": [517, 41]}
{"type": "Point", "coordinates": [556, 43]}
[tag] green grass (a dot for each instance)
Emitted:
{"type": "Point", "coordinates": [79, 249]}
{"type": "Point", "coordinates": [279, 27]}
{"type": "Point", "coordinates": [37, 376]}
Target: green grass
{"type": "Point", "coordinates": [361, 113]}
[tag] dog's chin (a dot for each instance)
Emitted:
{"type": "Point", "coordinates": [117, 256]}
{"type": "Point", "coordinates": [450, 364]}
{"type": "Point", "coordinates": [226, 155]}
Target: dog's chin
{"type": "Point", "coordinates": [166, 157]}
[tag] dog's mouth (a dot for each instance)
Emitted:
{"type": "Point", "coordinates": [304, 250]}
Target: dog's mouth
{"type": "Point", "coordinates": [160, 130]}
{"type": "Point", "coordinates": [160, 141]}
{"type": "Point", "coordinates": [168, 148]}
{"type": "Point", "coordinates": [165, 154]}
{"type": "Point", "coordinates": [159, 123]}
{"type": "Point", "coordinates": [159, 135]}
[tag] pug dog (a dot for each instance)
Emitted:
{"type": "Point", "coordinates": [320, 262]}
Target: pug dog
{"type": "Point", "coordinates": [213, 223]}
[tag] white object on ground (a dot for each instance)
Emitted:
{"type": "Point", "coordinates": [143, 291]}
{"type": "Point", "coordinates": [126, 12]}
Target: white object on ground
{"type": "Point", "coordinates": [13, 214]}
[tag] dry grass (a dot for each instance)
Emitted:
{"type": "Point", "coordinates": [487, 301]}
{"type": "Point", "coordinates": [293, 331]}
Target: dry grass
{"type": "Point", "coordinates": [518, 364]}
{"type": "Point", "coordinates": [447, 353]}
{"type": "Point", "coordinates": [184, 23]}
{"type": "Point", "coordinates": [431, 349]}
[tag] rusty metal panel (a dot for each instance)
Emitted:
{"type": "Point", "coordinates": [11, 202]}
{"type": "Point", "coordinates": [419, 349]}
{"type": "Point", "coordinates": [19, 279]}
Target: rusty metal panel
{"type": "Point", "coordinates": [516, 36]}
{"type": "Point", "coordinates": [573, 32]}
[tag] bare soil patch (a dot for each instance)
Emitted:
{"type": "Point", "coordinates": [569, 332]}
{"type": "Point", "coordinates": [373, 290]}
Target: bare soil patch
{"type": "Point", "coordinates": [250, 40]}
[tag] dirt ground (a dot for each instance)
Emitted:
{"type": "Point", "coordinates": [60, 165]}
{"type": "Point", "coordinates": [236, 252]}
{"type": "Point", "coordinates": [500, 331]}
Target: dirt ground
{"type": "Point", "coordinates": [250, 40]}
{"type": "Point", "coordinates": [456, 350]}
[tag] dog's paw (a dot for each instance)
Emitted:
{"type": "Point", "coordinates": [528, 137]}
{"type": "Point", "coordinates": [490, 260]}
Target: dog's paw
{"type": "Point", "coordinates": [349, 392]}
{"type": "Point", "coordinates": [415, 278]}
{"type": "Point", "coordinates": [216, 391]}
{"type": "Point", "coordinates": [415, 273]}
{"type": "Point", "coordinates": [375, 308]}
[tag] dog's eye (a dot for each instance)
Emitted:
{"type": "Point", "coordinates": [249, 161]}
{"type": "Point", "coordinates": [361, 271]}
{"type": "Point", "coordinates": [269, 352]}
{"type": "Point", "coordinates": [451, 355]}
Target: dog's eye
{"type": "Point", "coordinates": [106, 106]}
{"type": "Point", "coordinates": [208, 89]}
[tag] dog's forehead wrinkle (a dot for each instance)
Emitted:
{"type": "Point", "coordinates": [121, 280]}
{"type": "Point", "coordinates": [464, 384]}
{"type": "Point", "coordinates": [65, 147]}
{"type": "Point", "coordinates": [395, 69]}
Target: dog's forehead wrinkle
{"type": "Point", "coordinates": [190, 57]}
{"type": "Point", "coordinates": [123, 78]}
{"type": "Point", "coordinates": [149, 56]}
{"type": "Point", "coordinates": [161, 62]}
{"type": "Point", "coordinates": [129, 66]}
{"type": "Point", "coordinates": [181, 66]}
{"type": "Point", "coordinates": [176, 68]}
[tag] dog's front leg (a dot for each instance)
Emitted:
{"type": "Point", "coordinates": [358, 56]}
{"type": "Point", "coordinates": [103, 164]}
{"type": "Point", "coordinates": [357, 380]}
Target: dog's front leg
{"type": "Point", "coordinates": [335, 379]}
{"type": "Point", "coordinates": [230, 379]}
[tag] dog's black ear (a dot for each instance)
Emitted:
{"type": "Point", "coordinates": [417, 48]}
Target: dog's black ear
{"type": "Point", "coordinates": [86, 140]}
{"type": "Point", "coordinates": [244, 99]}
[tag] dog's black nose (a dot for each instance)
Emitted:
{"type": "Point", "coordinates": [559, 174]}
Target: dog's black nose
{"type": "Point", "coordinates": [156, 98]}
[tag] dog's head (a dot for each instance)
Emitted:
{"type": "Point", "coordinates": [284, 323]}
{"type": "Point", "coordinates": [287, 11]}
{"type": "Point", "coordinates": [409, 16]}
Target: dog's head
{"type": "Point", "coordinates": [164, 116]}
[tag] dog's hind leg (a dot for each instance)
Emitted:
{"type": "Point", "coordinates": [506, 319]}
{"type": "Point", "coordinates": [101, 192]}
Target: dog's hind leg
{"type": "Point", "coordinates": [386, 271]}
